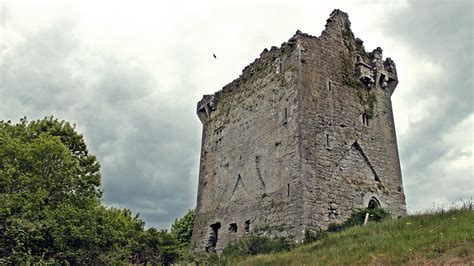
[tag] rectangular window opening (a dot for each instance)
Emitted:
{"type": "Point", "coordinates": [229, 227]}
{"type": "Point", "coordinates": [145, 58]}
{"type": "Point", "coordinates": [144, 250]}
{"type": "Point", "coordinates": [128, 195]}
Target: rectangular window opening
{"type": "Point", "coordinates": [288, 190]}
{"type": "Point", "coordinates": [233, 228]}
{"type": "Point", "coordinates": [214, 235]}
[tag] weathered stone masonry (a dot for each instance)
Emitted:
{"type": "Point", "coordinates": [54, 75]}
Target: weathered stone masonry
{"type": "Point", "coordinates": [301, 139]}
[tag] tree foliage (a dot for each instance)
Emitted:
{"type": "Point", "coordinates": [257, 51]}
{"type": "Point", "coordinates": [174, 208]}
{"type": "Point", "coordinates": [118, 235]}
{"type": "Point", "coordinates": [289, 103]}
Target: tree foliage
{"type": "Point", "coordinates": [50, 210]}
{"type": "Point", "coordinates": [182, 228]}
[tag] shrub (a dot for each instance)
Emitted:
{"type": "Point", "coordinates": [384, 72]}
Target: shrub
{"type": "Point", "coordinates": [253, 245]}
{"type": "Point", "coordinates": [358, 217]}
{"type": "Point", "coordinates": [313, 236]}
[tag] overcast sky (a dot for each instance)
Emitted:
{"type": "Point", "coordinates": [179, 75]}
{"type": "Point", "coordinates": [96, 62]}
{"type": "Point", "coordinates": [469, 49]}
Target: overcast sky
{"type": "Point", "coordinates": [129, 74]}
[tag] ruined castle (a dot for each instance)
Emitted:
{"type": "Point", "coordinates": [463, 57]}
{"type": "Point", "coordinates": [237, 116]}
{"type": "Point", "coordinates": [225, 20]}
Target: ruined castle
{"type": "Point", "coordinates": [300, 140]}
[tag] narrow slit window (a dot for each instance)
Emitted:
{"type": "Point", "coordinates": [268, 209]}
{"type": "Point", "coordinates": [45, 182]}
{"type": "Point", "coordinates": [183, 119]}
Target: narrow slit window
{"type": "Point", "coordinates": [247, 227]}
{"type": "Point", "coordinates": [327, 140]}
{"type": "Point", "coordinates": [217, 137]}
{"type": "Point", "coordinates": [365, 119]}
{"type": "Point", "coordinates": [278, 68]}
{"type": "Point", "coordinates": [288, 190]}
{"type": "Point", "coordinates": [329, 85]}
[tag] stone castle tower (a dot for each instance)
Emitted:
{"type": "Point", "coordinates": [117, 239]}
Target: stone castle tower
{"type": "Point", "coordinates": [300, 140]}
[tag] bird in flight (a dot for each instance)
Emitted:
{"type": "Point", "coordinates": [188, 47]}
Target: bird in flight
{"type": "Point", "coordinates": [214, 56]}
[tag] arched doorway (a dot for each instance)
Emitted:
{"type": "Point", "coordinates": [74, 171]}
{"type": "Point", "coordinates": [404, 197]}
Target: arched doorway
{"type": "Point", "coordinates": [373, 203]}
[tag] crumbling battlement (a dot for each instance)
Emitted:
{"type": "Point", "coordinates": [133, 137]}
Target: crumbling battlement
{"type": "Point", "coordinates": [368, 68]}
{"type": "Point", "coordinates": [303, 137]}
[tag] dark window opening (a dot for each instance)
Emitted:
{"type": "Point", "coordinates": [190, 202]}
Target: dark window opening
{"type": "Point", "coordinates": [247, 227]}
{"type": "Point", "coordinates": [278, 68]}
{"type": "Point", "coordinates": [217, 137]}
{"type": "Point", "coordinates": [365, 119]}
{"type": "Point", "coordinates": [383, 81]}
{"type": "Point", "coordinates": [285, 117]}
{"type": "Point", "coordinates": [288, 190]}
{"type": "Point", "coordinates": [327, 140]}
{"type": "Point", "coordinates": [213, 237]}
{"type": "Point", "coordinates": [373, 203]}
{"type": "Point", "coordinates": [399, 189]}
{"type": "Point", "coordinates": [233, 228]}
{"type": "Point", "coordinates": [202, 112]}
{"type": "Point", "coordinates": [329, 85]}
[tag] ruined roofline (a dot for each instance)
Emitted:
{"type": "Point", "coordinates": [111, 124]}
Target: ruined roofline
{"type": "Point", "coordinates": [337, 19]}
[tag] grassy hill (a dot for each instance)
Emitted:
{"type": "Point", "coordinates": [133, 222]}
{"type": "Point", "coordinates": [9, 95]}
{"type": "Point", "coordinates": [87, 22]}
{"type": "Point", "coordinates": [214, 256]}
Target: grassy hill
{"type": "Point", "coordinates": [445, 237]}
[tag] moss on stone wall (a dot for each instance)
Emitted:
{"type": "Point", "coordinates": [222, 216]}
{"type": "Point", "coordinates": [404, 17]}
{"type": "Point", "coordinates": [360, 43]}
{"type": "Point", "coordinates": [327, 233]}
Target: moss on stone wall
{"type": "Point", "coordinates": [348, 71]}
{"type": "Point", "coordinates": [366, 96]}
{"type": "Point", "coordinates": [348, 36]}
{"type": "Point", "coordinates": [367, 100]}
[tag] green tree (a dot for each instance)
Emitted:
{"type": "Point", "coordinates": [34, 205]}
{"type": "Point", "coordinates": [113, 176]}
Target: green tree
{"type": "Point", "coordinates": [182, 228]}
{"type": "Point", "coordinates": [50, 209]}
{"type": "Point", "coordinates": [181, 231]}
{"type": "Point", "coordinates": [50, 199]}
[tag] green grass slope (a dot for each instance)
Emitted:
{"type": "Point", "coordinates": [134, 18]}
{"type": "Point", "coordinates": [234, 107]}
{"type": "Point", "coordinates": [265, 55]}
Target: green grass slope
{"type": "Point", "coordinates": [444, 238]}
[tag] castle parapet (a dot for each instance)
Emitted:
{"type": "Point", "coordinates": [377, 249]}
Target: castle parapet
{"type": "Point", "coordinates": [205, 107]}
{"type": "Point", "coordinates": [377, 73]}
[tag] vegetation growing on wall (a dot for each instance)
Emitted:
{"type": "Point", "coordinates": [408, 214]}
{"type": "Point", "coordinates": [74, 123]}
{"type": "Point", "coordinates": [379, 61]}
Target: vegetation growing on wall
{"type": "Point", "coordinates": [367, 100]}
{"type": "Point", "coordinates": [358, 217]}
{"type": "Point", "coordinates": [348, 71]}
{"type": "Point", "coordinates": [366, 96]}
{"type": "Point", "coordinates": [348, 36]}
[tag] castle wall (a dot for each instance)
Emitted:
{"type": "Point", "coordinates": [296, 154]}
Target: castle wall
{"type": "Point", "coordinates": [249, 161]}
{"type": "Point", "coordinates": [300, 140]}
{"type": "Point", "coordinates": [347, 161]}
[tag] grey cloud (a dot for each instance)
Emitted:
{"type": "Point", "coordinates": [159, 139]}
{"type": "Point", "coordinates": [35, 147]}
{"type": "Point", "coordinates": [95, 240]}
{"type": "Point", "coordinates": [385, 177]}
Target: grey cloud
{"type": "Point", "coordinates": [442, 33]}
{"type": "Point", "coordinates": [41, 64]}
{"type": "Point", "coordinates": [147, 147]}
{"type": "Point", "coordinates": [154, 145]}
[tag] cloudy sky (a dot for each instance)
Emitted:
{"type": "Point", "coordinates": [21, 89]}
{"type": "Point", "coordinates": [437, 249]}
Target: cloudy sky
{"type": "Point", "coordinates": [129, 74]}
